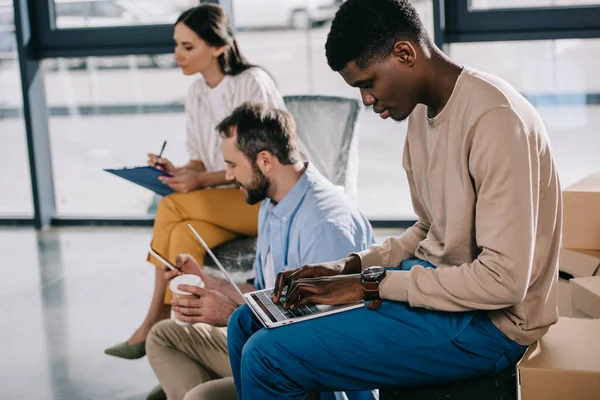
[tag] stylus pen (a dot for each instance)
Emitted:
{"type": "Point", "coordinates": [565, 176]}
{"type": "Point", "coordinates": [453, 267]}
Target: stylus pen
{"type": "Point", "coordinates": [160, 154]}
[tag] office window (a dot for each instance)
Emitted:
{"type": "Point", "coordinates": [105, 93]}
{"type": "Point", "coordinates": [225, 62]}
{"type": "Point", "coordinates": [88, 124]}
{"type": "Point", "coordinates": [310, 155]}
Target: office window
{"type": "Point", "coordinates": [107, 111]}
{"type": "Point", "coordinates": [496, 4]}
{"type": "Point", "coordinates": [294, 53]}
{"type": "Point", "coordinates": [559, 77]}
{"type": "Point", "coordinates": [105, 13]}
{"type": "Point", "coordinates": [110, 112]}
{"type": "Point", "coordinates": [15, 182]}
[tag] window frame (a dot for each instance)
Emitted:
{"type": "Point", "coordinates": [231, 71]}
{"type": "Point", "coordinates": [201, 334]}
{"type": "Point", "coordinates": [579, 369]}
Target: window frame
{"type": "Point", "coordinates": [102, 41]}
{"type": "Point", "coordinates": [463, 24]}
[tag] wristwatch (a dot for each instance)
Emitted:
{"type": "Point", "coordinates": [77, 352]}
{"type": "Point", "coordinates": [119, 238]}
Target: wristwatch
{"type": "Point", "coordinates": [370, 279]}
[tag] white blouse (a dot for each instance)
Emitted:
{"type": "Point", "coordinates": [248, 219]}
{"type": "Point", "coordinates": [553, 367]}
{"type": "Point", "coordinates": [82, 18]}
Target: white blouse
{"type": "Point", "coordinates": [206, 107]}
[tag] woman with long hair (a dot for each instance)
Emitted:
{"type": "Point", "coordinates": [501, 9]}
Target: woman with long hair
{"type": "Point", "coordinates": [205, 45]}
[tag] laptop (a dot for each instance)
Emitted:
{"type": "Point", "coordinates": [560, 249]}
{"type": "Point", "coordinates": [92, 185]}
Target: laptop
{"type": "Point", "coordinates": [273, 315]}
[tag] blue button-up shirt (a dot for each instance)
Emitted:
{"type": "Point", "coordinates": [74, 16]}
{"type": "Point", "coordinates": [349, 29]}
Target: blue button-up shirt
{"type": "Point", "coordinates": [315, 222]}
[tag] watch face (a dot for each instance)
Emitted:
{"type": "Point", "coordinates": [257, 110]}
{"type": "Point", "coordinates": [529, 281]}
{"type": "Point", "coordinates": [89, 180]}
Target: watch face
{"type": "Point", "coordinates": [372, 273]}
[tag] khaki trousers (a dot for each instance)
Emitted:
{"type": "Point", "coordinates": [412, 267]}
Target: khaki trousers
{"type": "Point", "coordinates": [191, 362]}
{"type": "Point", "coordinates": [218, 215]}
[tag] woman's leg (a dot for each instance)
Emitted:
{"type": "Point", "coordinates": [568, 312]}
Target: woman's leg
{"type": "Point", "coordinates": [218, 215]}
{"type": "Point", "coordinates": [157, 312]}
{"type": "Point", "coordinates": [223, 208]}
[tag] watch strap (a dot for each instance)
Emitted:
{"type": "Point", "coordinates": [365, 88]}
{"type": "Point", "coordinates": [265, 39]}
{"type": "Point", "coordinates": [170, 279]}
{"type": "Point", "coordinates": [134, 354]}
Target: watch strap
{"type": "Point", "coordinates": [375, 304]}
{"type": "Point", "coordinates": [371, 290]}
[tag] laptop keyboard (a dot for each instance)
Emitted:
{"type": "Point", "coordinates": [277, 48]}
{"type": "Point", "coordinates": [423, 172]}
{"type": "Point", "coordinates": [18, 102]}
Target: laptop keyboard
{"type": "Point", "coordinates": [280, 313]}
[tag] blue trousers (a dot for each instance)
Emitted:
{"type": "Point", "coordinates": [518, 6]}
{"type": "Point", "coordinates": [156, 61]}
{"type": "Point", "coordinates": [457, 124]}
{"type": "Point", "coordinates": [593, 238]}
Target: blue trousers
{"type": "Point", "coordinates": [364, 349]}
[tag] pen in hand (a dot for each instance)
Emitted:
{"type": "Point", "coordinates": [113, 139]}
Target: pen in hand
{"type": "Point", "coordinates": [160, 154]}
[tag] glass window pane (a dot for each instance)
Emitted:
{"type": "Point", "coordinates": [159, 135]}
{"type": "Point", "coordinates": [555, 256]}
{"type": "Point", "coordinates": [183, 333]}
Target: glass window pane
{"type": "Point", "coordinates": [110, 112]}
{"type": "Point", "coordinates": [559, 77]}
{"type": "Point", "coordinates": [108, 10]}
{"type": "Point", "coordinates": [296, 58]}
{"type": "Point", "coordinates": [98, 13]}
{"type": "Point", "coordinates": [497, 4]}
{"type": "Point", "coordinates": [383, 187]}
{"type": "Point", "coordinates": [15, 184]}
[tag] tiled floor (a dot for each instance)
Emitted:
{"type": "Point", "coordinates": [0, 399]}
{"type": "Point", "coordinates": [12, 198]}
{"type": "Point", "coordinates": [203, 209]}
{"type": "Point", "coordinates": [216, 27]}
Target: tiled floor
{"type": "Point", "coordinates": [66, 295]}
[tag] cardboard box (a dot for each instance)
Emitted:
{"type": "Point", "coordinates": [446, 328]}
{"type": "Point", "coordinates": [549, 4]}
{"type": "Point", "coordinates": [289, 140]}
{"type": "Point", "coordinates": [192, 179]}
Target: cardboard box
{"type": "Point", "coordinates": [565, 307]}
{"type": "Point", "coordinates": [564, 364]}
{"type": "Point", "coordinates": [581, 214]}
{"type": "Point", "coordinates": [574, 264]}
{"type": "Point", "coordinates": [579, 263]}
{"type": "Point", "coordinates": [585, 297]}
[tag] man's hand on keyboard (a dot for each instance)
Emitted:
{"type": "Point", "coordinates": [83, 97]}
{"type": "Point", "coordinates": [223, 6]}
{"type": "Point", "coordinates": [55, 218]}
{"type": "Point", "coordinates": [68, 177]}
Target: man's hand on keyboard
{"type": "Point", "coordinates": [332, 290]}
{"type": "Point", "coordinates": [348, 265]}
{"type": "Point", "coordinates": [210, 307]}
{"type": "Point", "coordinates": [285, 279]}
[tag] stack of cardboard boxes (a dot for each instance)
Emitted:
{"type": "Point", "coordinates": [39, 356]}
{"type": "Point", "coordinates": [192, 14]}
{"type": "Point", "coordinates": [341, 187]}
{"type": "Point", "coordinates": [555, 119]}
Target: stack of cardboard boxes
{"type": "Point", "coordinates": [565, 363]}
{"type": "Point", "coordinates": [579, 262]}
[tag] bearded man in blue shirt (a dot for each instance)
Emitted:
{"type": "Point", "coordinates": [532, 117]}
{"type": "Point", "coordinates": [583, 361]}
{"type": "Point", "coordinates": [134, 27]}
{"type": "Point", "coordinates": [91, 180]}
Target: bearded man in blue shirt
{"type": "Point", "coordinates": [303, 219]}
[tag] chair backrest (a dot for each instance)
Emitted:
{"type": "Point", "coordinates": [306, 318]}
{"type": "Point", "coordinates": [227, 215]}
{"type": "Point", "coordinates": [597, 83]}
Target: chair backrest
{"type": "Point", "coordinates": [326, 127]}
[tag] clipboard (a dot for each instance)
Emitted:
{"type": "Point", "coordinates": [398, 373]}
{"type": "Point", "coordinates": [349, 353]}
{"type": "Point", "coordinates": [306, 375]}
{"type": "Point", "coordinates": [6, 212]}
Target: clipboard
{"type": "Point", "coordinates": [146, 177]}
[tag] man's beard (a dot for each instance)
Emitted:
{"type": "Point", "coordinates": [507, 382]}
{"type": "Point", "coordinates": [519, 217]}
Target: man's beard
{"type": "Point", "coordinates": [258, 189]}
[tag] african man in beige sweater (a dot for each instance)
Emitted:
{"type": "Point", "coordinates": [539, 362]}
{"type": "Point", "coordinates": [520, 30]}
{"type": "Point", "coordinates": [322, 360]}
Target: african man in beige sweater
{"type": "Point", "coordinates": [462, 292]}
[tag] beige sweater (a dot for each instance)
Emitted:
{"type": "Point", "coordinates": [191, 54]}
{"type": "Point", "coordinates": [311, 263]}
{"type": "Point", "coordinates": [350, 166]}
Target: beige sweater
{"type": "Point", "coordinates": [488, 200]}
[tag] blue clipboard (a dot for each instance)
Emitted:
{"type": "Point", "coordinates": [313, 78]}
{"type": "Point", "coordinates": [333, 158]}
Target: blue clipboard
{"type": "Point", "coordinates": [146, 177]}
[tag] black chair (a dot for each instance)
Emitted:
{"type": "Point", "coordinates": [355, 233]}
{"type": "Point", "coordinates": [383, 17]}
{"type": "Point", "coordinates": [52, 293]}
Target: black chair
{"type": "Point", "coordinates": [502, 386]}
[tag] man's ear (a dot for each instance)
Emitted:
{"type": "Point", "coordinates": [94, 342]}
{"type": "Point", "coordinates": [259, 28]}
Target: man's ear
{"type": "Point", "coordinates": [405, 52]}
{"type": "Point", "coordinates": [265, 161]}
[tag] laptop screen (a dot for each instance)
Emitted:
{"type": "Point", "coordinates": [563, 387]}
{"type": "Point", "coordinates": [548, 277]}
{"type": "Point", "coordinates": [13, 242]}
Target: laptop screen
{"type": "Point", "coordinates": [217, 262]}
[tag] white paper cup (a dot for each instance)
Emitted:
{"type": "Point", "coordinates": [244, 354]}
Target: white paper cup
{"type": "Point", "coordinates": [186, 279]}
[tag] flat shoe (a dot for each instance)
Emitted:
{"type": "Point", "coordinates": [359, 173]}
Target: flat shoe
{"type": "Point", "coordinates": [128, 351]}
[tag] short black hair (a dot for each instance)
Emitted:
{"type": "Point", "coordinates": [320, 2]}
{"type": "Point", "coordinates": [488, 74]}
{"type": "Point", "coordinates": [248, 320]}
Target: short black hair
{"type": "Point", "coordinates": [261, 128]}
{"type": "Point", "coordinates": [366, 30]}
